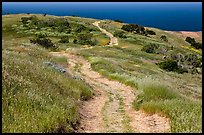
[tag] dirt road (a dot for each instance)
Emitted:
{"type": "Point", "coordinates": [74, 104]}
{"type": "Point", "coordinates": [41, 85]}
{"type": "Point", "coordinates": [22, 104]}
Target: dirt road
{"type": "Point", "coordinates": [110, 109]}
{"type": "Point", "coordinates": [113, 40]}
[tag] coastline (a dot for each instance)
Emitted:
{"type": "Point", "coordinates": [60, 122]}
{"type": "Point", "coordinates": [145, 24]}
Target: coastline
{"type": "Point", "coordinates": [101, 19]}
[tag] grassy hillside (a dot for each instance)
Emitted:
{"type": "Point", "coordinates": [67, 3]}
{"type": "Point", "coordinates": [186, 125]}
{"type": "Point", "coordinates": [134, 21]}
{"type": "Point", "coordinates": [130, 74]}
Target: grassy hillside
{"type": "Point", "coordinates": [128, 64]}
{"type": "Point", "coordinates": [37, 98]}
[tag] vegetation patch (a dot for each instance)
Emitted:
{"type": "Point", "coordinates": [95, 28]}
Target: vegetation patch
{"type": "Point", "coordinates": [155, 97]}
{"type": "Point", "coordinates": [193, 43]}
{"type": "Point", "coordinates": [42, 40]}
{"type": "Point", "coordinates": [189, 63]}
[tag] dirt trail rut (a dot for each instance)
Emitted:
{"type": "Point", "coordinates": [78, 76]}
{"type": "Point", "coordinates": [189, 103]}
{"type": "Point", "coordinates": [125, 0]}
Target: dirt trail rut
{"type": "Point", "coordinates": [110, 109]}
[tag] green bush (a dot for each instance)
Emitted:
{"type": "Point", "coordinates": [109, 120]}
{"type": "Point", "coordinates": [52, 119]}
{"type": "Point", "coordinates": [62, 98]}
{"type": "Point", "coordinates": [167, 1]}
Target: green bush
{"type": "Point", "coordinates": [150, 48]}
{"type": "Point", "coordinates": [85, 39]}
{"type": "Point", "coordinates": [193, 43]}
{"type": "Point", "coordinates": [34, 20]}
{"type": "Point", "coordinates": [172, 65]}
{"type": "Point", "coordinates": [64, 39]}
{"type": "Point", "coordinates": [42, 40]}
{"type": "Point", "coordinates": [24, 20]}
{"type": "Point", "coordinates": [164, 38]}
{"type": "Point", "coordinates": [75, 41]}
{"type": "Point", "coordinates": [197, 45]}
{"type": "Point", "coordinates": [190, 40]}
{"type": "Point", "coordinates": [169, 65]}
{"type": "Point", "coordinates": [119, 34]}
{"type": "Point", "coordinates": [188, 63]}
{"type": "Point", "coordinates": [134, 28]}
{"type": "Point", "coordinates": [80, 28]}
{"type": "Point", "coordinates": [150, 32]}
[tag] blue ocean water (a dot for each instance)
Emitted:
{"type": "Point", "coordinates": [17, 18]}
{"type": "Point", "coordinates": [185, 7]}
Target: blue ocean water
{"type": "Point", "coordinates": [175, 16]}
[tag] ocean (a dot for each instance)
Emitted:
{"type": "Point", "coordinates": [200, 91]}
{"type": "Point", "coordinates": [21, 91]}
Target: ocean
{"type": "Point", "coordinates": [172, 16]}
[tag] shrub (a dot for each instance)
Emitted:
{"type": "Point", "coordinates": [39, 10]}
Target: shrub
{"type": "Point", "coordinates": [80, 28]}
{"type": "Point", "coordinates": [197, 45]}
{"type": "Point", "coordinates": [60, 29]}
{"type": "Point", "coordinates": [34, 20]}
{"type": "Point", "coordinates": [164, 38]}
{"type": "Point", "coordinates": [119, 34]}
{"type": "Point", "coordinates": [168, 65]}
{"type": "Point", "coordinates": [134, 28]}
{"type": "Point", "coordinates": [193, 43]}
{"type": "Point", "coordinates": [75, 41]}
{"type": "Point", "coordinates": [188, 63]}
{"type": "Point", "coordinates": [43, 41]}
{"type": "Point", "coordinates": [190, 40]}
{"type": "Point", "coordinates": [171, 65]}
{"type": "Point", "coordinates": [24, 20]}
{"type": "Point", "coordinates": [85, 39]}
{"type": "Point", "coordinates": [150, 48]}
{"type": "Point", "coordinates": [64, 39]}
{"type": "Point", "coordinates": [150, 32]}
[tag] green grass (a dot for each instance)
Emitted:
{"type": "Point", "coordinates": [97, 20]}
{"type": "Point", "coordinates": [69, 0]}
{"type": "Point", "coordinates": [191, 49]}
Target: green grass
{"type": "Point", "coordinates": [185, 115]}
{"type": "Point", "coordinates": [36, 98]}
{"type": "Point", "coordinates": [177, 96]}
{"type": "Point", "coordinates": [156, 97]}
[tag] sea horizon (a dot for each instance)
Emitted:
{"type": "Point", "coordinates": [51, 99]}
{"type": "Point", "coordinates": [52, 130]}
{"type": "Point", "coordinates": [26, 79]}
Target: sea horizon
{"type": "Point", "coordinates": [168, 16]}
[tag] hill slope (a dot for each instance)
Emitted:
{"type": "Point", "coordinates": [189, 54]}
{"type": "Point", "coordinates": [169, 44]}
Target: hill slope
{"type": "Point", "coordinates": [39, 98]}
